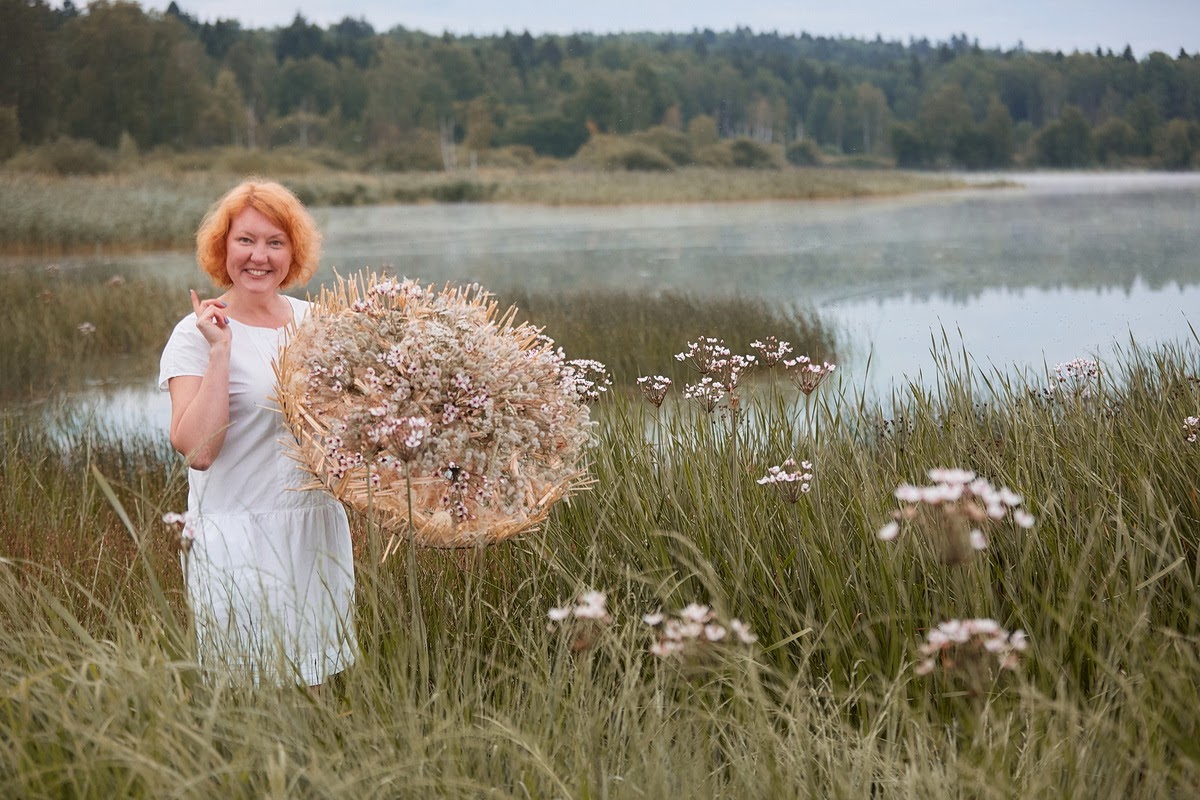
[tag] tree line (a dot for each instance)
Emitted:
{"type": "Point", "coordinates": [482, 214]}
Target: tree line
{"type": "Point", "coordinates": [120, 76]}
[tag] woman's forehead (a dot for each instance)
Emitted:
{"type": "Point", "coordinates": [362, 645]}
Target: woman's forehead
{"type": "Point", "coordinates": [250, 219]}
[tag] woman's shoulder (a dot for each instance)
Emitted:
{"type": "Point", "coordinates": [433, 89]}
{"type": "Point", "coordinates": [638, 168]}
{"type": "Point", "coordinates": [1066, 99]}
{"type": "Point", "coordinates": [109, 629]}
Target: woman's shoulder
{"type": "Point", "coordinates": [299, 308]}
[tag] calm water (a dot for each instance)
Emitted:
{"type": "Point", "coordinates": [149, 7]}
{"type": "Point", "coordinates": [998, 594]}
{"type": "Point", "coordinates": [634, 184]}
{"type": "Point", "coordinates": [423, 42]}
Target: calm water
{"type": "Point", "coordinates": [1064, 266]}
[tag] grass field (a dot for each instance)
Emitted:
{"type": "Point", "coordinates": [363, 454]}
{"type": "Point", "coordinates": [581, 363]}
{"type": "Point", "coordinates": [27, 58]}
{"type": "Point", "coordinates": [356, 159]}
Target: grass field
{"type": "Point", "coordinates": [155, 208]}
{"type": "Point", "coordinates": [100, 694]}
{"type": "Point", "coordinates": [69, 325]}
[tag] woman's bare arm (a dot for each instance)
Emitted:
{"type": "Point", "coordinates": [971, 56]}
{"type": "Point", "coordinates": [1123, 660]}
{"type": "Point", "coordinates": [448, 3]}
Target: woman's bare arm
{"type": "Point", "coordinates": [200, 405]}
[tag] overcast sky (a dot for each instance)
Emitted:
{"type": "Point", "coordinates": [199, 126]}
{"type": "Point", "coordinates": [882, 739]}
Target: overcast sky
{"type": "Point", "coordinates": [1066, 25]}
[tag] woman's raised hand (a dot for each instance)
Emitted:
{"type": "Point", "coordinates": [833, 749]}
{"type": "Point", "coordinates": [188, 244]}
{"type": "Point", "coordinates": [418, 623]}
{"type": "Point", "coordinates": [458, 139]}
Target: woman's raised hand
{"type": "Point", "coordinates": [211, 319]}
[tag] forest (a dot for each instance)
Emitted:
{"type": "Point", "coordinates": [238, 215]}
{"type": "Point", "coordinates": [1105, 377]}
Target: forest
{"type": "Point", "coordinates": [113, 78]}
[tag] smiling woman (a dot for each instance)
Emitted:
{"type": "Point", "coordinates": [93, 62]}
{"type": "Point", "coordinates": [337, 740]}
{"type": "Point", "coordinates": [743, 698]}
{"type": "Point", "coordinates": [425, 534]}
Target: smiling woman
{"type": "Point", "coordinates": [270, 576]}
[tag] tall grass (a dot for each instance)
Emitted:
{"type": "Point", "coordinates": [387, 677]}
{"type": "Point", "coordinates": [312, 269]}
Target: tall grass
{"type": "Point", "coordinates": [98, 697]}
{"type": "Point", "coordinates": [632, 334]}
{"type": "Point", "coordinates": [64, 325]}
{"type": "Point", "coordinates": [159, 207]}
{"type": "Point", "coordinates": [635, 335]}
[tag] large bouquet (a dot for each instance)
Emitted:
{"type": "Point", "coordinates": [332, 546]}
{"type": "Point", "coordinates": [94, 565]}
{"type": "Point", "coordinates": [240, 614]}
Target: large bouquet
{"type": "Point", "coordinates": [426, 407]}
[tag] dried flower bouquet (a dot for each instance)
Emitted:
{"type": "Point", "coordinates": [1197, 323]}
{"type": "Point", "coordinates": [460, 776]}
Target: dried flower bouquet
{"type": "Point", "coordinates": [396, 391]}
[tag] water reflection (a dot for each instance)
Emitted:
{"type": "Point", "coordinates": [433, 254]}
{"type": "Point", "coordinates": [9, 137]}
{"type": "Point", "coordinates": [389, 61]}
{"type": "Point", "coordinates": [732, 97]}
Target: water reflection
{"type": "Point", "coordinates": [1063, 267]}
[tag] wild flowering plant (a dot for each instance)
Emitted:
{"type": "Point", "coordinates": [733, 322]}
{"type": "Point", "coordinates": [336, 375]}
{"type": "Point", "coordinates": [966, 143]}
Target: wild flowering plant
{"type": "Point", "coordinates": [695, 634]}
{"type": "Point", "coordinates": [1074, 380]}
{"type": "Point", "coordinates": [771, 350]}
{"type": "Point", "coordinates": [185, 524]}
{"type": "Point", "coordinates": [1191, 429]}
{"type": "Point", "coordinates": [394, 390]}
{"type": "Point", "coordinates": [791, 481]}
{"type": "Point", "coordinates": [654, 388]}
{"type": "Point", "coordinates": [85, 328]}
{"type": "Point", "coordinates": [808, 374]}
{"type": "Point", "coordinates": [583, 621]}
{"type": "Point", "coordinates": [971, 650]}
{"type": "Point", "coordinates": [720, 369]}
{"type": "Point", "coordinates": [706, 393]}
{"type": "Point", "coordinates": [956, 509]}
{"type": "Point", "coordinates": [590, 377]}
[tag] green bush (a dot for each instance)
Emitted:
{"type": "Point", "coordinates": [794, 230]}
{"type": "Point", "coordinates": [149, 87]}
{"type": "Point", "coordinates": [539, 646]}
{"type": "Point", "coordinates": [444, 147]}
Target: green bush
{"type": "Point", "coordinates": [715, 155]}
{"type": "Point", "coordinates": [419, 152]}
{"type": "Point", "coordinates": [10, 132]}
{"type": "Point", "coordinates": [674, 144]}
{"type": "Point", "coordinates": [749, 154]}
{"type": "Point", "coordinates": [65, 156]}
{"type": "Point", "coordinates": [803, 153]}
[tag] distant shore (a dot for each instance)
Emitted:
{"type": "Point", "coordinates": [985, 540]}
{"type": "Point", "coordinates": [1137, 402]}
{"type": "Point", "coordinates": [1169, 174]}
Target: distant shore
{"type": "Point", "coordinates": [146, 209]}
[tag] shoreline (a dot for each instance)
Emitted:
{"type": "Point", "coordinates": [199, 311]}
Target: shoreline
{"type": "Point", "coordinates": [148, 211]}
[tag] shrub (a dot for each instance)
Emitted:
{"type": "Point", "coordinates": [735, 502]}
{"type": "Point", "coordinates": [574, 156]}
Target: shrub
{"type": "Point", "coordinates": [65, 156]}
{"type": "Point", "coordinates": [674, 144]}
{"type": "Point", "coordinates": [715, 155]}
{"type": "Point", "coordinates": [803, 153]}
{"type": "Point", "coordinates": [420, 151]}
{"type": "Point", "coordinates": [749, 154]}
{"type": "Point", "coordinates": [10, 132]}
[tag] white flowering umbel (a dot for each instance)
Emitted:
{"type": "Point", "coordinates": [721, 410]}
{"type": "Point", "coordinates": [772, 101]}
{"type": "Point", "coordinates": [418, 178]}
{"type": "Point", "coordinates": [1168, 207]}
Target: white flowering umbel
{"type": "Point", "coordinates": [808, 374]}
{"type": "Point", "coordinates": [391, 386]}
{"type": "Point", "coordinates": [956, 510]}
{"type": "Point", "coordinates": [1191, 429]}
{"type": "Point", "coordinates": [1074, 380]}
{"type": "Point", "coordinates": [695, 635]}
{"type": "Point", "coordinates": [771, 350]}
{"type": "Point", "coordinates": [791, 481]}
{"type": "Point", "coordinates": [722, 371]}
{"type": "Point", "coordinates": [971, 651]}
{"type": "Point", "coordinates": [654, 388]}
{"type": "Point", "coordinates": [584, 621]}
{"type": "Point", "coordinates": [185, 523]}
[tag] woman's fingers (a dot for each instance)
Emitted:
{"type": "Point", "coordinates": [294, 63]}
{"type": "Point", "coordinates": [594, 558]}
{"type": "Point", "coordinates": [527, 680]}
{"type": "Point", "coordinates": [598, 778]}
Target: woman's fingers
{"type": "Point", "coordinates": [208, 310]}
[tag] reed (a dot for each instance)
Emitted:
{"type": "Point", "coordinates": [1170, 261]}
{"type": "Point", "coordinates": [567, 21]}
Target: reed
{"type": "Point", "coordinates": [100, 699]}
{"type": "Point", "coordinates": [130, 320]}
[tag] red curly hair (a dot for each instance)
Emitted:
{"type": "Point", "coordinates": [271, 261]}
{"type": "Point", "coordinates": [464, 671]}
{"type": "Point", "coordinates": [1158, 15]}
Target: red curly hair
{"type": "Point", "coordinates": [277, 204]}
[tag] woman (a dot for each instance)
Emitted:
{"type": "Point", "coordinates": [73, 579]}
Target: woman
{"type": "Point", "coordinates": [270, 576]}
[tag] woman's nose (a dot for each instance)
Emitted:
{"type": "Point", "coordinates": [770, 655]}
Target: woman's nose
{"type": "Point", "coordinates": [259, 253]}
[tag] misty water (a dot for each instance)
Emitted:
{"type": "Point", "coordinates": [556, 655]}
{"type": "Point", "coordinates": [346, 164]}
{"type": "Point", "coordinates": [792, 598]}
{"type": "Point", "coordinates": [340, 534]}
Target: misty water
{"type": "Point", "coordinates": [1061, 266]}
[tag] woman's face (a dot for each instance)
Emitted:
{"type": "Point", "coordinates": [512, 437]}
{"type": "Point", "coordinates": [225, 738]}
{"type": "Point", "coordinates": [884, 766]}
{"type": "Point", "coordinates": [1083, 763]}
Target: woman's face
{"type": "Point", "coordinates": [258, 253]}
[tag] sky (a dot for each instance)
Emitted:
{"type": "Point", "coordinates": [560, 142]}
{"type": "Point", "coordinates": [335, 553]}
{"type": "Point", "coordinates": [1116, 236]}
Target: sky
{"type": "Point", "coordinates": [1067, 25]}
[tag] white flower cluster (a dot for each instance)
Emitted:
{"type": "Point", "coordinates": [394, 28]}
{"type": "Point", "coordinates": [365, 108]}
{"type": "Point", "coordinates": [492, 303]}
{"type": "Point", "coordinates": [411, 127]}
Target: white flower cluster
{"type": "Point", "coordinates": [808, 374]}
{"type": "Point", "coordinates": [187, 530]}
{"type": "Point", "coordinates": [967, 643]}
{"type": "Point", "coordinates": [790, 480]}
{"type": "Point", "coordinates": [712, 359]}
{"type": "Point", "coordinates": [1074, 379]}
{"type": "Point", "coordinates": [956, 500]}
{"type": "Point", "coordinates": [85, 328]}
{"type": "Point", "coordinates": [591, 605]}
{"type": "Point", "coordinates": [771, 350]}
{"type": "Point", "coordinates": [407, 383]}
{"type": "Point", "coordinates": [694, 630]}
{"type": "Point", "coordinates": [589, 377]}
{"type": "Point", "coordinates": [708, 393]}
{"type": "Point", "coordinates": [1191, 428]}
{"type": "Point", "coordinates": [654, 388]}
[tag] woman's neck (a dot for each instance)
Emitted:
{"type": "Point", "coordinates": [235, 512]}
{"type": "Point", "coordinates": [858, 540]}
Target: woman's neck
{"type": "Point", "coordinates": [271, 310]}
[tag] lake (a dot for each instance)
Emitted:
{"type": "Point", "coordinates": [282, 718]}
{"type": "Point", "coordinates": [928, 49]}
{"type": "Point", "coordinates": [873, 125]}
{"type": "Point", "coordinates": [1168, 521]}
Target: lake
{"type": "Point", "coordinates": [1063, 265]}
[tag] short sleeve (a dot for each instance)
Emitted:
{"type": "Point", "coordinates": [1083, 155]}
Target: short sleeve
{"type": "Point", "coordinates": [186, 353]}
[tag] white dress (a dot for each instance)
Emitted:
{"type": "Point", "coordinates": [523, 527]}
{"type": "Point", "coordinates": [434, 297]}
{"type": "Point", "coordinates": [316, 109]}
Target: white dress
{"type": "Point", "coordinates": [270, 577]}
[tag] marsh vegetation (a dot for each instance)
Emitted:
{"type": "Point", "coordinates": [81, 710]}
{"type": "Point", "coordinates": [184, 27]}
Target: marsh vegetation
{"type": "Point", "coordinates": [102, 696]}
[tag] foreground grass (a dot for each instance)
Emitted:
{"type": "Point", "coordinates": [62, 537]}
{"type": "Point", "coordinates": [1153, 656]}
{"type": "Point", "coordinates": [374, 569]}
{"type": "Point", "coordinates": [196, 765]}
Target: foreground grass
{"type": "Point", "coordinates": [130, 320]}
{"type": "Point", "coordinates": [99, 694]}
{"type": "Point", "coordinates": [149, 209]}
